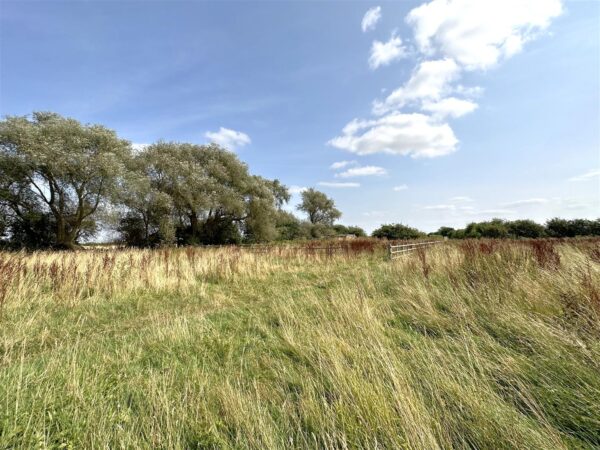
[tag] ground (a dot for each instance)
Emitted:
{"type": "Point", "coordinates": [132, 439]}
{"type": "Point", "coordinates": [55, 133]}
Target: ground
{"type": "Point", "coordinates": [472, 345]}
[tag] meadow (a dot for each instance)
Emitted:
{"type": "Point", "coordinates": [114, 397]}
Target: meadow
{"type": "Point", "coordinates": [471, 344]}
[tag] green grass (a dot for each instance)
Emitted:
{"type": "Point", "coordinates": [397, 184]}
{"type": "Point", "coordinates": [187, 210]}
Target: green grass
{"type": "Point", "coordinates": [486, 351]}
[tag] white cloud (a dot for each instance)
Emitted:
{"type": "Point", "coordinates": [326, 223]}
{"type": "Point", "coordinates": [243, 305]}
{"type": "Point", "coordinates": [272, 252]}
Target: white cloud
{"type": "Point", "coordinates": [334, 184]}
{"type": "Point", "coordinates": [431, 80]}
{"type": "Point", "coordinates": [440, 207]}
{"type": "Point", "coordinates": [341, 164]}
{"type": "Point", "coordinates": [371, 18]}
{"type": "Point", "coordinates": [227, 138]}
{"type": "Point", "coordinates": [414, 134]}
{"type": "Point", "coordinates": [479, 33]}
{"type": "Point", "coordinates": [468, 91]}
{"type": "Point", "coordinates": [384, 53]}
{"type": "Point", "coordinates": [526, 202]}
{"type": "Point", "coordinates": [496, 212]}
{"type": "Point", "coordinates": [450, 107]}
{"type": "Point", "coordinates": [364, 171]}
{"type": "Point", "coordinates": [586, 176]}
{"type": "Point", "coordinates": [461, 198]}
{"type": "Point", "coordinates": [578, 204]}
{"type": "Point", "coordinates": [452, 36]}
{"type": "Point", "coordinates": [139, 147]}
{"type": "Point", "coordinates": [296, 189]}
{"type": "Point", "coordinates": [401, 187]}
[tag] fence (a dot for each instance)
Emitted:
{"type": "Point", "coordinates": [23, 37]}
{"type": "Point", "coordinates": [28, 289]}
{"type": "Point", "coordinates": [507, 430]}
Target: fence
{"type": "Point", "coordinates": [395, 251]}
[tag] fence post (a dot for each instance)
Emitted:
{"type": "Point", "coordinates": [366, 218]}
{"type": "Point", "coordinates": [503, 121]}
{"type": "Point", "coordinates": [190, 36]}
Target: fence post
{"type": "Point", "coordinates": [389, 251]}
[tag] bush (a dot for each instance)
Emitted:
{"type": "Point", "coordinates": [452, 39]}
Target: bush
{"type": "Point", "coordinates": [342, 230]}
{"type": "Point", "coordinates": [445, 231]}
{"type": "Point", "coordinates": [525, 229]}
{"type": "Point", "coordinates": [397, 231]}
{"type": "Point", "coordinates": [570, 228]}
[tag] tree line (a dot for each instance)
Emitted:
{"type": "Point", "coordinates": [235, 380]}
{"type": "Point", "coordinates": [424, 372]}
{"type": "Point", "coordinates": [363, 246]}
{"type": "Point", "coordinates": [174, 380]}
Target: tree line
{"type": "Point", "coordinates": [499, 229]}
{"type": "Point", "coordinates": [62, 181]}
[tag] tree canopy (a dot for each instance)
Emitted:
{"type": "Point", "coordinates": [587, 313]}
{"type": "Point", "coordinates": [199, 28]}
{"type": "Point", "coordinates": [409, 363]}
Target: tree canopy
{"type": "Point", "coordinates": [397, 231]}
{"type": "Point", "coordinates": [320, 208]}
{"type": "Point", "coordinates": [57, 172]}
{"type": "Point", "coordinates": [61, 181]}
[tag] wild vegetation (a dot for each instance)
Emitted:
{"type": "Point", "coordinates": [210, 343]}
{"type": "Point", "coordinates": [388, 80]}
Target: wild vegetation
{"type": "Point", "coordinates": [515, 229]}
{"type": "Point", "coordinates": [470, 344]}
{"type": "Point", "coordinates": [62, 181]}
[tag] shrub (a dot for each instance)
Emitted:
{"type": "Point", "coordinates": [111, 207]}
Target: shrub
{"type": "Point", "coordinates": [397, 231]}
{"type": "Point", "coordinates": [525, 229]}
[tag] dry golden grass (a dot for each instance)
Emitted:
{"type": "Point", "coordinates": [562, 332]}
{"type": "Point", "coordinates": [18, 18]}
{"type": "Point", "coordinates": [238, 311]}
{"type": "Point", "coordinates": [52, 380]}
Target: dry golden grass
{"type": "Point", "coordinates": [471, 345]}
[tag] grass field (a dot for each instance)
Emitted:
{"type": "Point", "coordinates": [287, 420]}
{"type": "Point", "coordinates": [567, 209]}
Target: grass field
{"type": "Point", "coordinates": [466, 345]}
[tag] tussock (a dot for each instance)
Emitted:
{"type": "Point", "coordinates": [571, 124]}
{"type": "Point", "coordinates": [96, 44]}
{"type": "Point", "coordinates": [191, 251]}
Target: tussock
{"type": "Point", "coordinates": [478, 344]}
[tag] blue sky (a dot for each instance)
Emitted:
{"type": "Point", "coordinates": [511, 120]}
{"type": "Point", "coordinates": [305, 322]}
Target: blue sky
{"type": "Point", "coordinates": [445, 112]}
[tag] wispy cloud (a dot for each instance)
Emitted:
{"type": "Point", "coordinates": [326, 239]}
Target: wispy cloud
{"type": "Point", "coordinates": [227, 138]}
{"type": "Point", "coordinates": [526, 202]}
{"type": "Point", "coordinates": [365, 171]}
{"type": "Point", "coordinates": [341, 164]}
{"type": "Point", "coordinates": [384, 53]}
{"type": "Point", "coordinates": [370, 19]}
{"type": "Point", "coordinates": [497, 212]}
{"type": "Point", "coordinates": [586, 176]}
{"type": "Point", "coordinates": [461, 198]}
{"type": "Point", "coordinates": [452, 37]}
{"type": "Point", "coordinates": [449, 107]}
{"type": "Point", "coordinates": [430, 80]}
{"type": "Point", "coordinates": [334, 184]}
{"type": "Point", "coordinates": [442, 207]}
{"type": "Point", "coordinates": [401, 187]}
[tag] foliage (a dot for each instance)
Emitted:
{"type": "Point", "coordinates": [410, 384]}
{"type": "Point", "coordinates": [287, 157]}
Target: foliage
{"type": "Point", "coordinates": [53, 166]}
{"type": "Point", "coordinates": [495, 228]}
{"type": "Point", "coordinates": [343, 230]}
{"type": "Point", "coordinates": [570, 228]}
{"type": "Point", "coordinates": [445, 231]}
{"type": "Point", "coordinates": [206, 194]}
{"type": "Point", "coordinates": [57, 174]}
{"type": "Point", "coordinates": [290, 228]}
{"type": "Point", "coordinates": [525, 229]}
{"type": "Point", "coordinates": [498, 228]}
{"type": "Point", "coordinates": [60, 180]}
{"type": "Point", "coordinates": [397, 231]}
{"type": "Point", "coordinates": [320, 208]}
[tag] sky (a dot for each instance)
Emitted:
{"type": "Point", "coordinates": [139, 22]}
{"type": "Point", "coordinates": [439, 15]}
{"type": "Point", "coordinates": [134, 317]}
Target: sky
{"type": "Point", "coordinates": [430, 114]}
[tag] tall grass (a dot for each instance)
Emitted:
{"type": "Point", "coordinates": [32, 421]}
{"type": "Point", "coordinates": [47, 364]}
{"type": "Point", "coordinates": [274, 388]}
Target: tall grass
{"type": "Point", "coordinates": [475, 345]}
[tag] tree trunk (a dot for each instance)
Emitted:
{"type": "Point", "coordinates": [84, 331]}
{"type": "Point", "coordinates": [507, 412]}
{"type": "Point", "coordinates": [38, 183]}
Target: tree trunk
{"type": "Point", "coordinates": [194, 224]}
{"type": "Point", "coordinates": [64, 239]}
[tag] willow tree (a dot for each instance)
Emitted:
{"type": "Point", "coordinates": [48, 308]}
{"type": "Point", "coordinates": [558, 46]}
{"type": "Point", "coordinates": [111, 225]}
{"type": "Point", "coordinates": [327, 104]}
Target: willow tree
{"type": "Point", "coordinates": [320, 208]}
{"type": "Point", "coordinates": [56, 167]}
{"type": "Point", "coordinates": [146, 214]}
{"type": "Point", "coordinates": [212, 192]}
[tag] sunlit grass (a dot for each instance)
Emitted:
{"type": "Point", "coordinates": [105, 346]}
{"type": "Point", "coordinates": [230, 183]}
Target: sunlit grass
{"type": "Point", "coordinates": [463, 346]}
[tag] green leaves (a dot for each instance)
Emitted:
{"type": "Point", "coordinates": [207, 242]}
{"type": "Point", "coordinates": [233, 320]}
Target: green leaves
{"type": "Point", "coordinates": [54, 165]}
{"type": "Point", "coordinates": [320, 208]}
